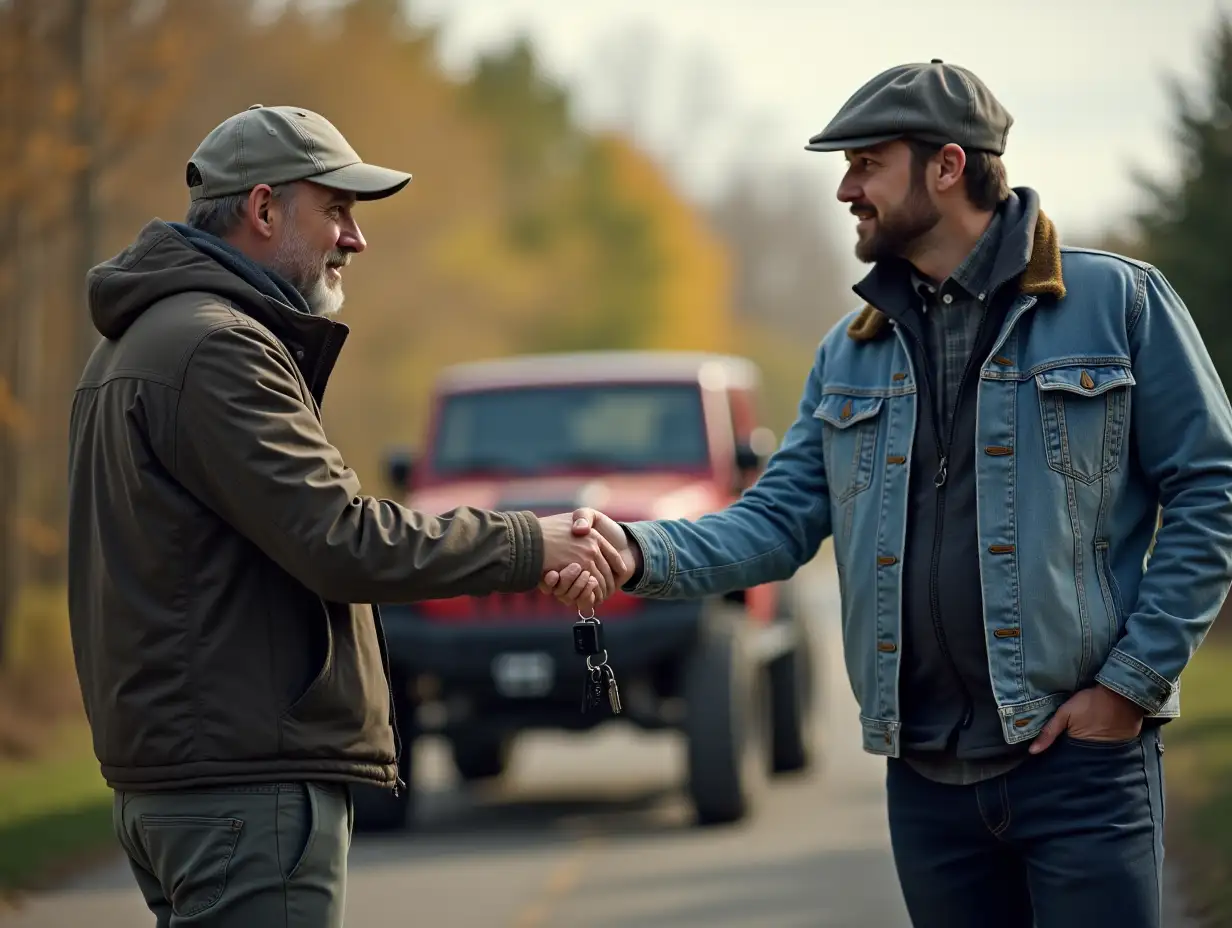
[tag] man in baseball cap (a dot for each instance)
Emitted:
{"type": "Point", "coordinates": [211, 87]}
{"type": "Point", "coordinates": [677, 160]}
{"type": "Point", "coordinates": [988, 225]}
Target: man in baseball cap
{"type": "Point", "coordinates": [295, 162]}
{"type": "Point", "coordinates": [990, 439]}
{"type": "Point", "coordinates": [223, 554]}
{"type": "Point", "coordinates": [279, 145]}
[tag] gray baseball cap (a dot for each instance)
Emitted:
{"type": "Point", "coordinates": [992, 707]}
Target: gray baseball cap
{"type": "Point", "coordinates": [277, 145]}
{"type": "Point", "coordinates": [935, 102]}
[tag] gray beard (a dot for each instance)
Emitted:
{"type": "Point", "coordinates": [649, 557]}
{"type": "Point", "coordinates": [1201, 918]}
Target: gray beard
{"type": "Point", "coordinates": [305, 271]}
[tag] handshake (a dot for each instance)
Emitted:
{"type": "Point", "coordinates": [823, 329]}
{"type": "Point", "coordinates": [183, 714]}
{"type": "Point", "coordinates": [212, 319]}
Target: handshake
{"type": "Point", "coordinates": [586, 558]}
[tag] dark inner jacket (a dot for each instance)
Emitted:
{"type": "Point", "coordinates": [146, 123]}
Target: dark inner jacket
{"type": "Point", "coordinates": [221, 553]}
{"type": "Point", "coordinates": [946, 700]}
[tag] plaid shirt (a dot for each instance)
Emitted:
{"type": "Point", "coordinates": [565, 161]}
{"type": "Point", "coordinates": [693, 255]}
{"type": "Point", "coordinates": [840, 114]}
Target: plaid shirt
{"type": "Point", "coordinates": [953, 311]}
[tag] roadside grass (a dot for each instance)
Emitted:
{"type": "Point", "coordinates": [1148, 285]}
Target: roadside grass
{"type": "Point", "coordinates": [55, 809]}
{"type": "Point", "coordinates": [55, 814]}
{"type": "Point", "coordinates": [1198, 773]}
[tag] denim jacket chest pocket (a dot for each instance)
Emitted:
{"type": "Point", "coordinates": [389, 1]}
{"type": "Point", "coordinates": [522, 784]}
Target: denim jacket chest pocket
{"type": "Point", "coordinates": [850, 442]}
{"type": "Point", "coordinates": [1084, 409]}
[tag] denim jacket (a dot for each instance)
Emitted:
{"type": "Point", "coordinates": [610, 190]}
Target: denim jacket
{"type": "Point", "coordinates": [1099, 413]}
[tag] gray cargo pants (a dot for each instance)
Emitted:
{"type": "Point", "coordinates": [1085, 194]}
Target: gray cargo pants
{"type": "Point", "coordinates": [263, 855]}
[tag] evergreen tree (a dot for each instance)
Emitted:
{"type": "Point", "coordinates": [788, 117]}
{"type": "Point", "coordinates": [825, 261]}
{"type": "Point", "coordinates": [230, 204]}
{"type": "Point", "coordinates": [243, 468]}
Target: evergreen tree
{"type": "Point", "coordinates": [1186, 231]}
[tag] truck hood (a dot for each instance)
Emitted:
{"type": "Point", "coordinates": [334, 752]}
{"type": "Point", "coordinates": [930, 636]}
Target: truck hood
{"type": "Point", "coordinates": [626, 497]}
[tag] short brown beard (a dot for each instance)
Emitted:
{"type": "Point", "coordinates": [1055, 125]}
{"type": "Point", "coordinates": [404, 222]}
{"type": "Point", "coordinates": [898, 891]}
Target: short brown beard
{"type": "Point", "coordinates": [901, 227]}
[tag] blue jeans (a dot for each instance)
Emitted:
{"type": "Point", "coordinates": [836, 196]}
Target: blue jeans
{"type": "Point", "coordinates": [1071, 837]}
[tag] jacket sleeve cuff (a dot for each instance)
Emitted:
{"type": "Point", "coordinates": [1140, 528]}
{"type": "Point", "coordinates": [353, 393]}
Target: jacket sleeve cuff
{"type": "Point", "coordinates": [526, 550]}
{"type": "Point", "coordinates": [1135, 681]}
{"type": "Point", "coordinates": [658, 559]}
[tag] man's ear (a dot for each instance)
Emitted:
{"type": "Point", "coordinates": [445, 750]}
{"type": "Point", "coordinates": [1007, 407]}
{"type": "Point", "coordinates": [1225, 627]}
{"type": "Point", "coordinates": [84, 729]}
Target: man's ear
{"type": "Point", "coordinates": [951, 162]}
{"type": "Point", "coordinates": [260, 210]}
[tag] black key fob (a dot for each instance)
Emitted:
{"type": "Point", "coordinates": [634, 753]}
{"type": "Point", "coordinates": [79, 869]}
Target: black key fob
{"type": "Point", "coordinates": [588, 637]}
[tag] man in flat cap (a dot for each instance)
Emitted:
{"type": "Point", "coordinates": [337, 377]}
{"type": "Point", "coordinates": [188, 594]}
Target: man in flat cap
{"type": "Point", "coordinates": [991, 440]}
{"type": "Point", "coordinates": [222, 553]}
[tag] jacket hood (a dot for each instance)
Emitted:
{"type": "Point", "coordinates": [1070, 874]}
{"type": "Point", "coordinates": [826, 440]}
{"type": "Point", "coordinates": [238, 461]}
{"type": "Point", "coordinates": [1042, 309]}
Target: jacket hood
{"type": "Point", "coordinates": [158, 264]}
{"type": "Point", "coordinates": [162, 262]}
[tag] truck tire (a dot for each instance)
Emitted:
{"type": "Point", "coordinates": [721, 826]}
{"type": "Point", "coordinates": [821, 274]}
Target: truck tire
{"type": "Point", "coordinates": [725, 728]}
{"type": "Point", "coordinates": [481, 756]}
{"type": "Point", "coordinates": [791, 683]}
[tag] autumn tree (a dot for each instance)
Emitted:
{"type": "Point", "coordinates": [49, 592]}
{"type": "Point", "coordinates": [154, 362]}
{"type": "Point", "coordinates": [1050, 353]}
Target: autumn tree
{"type": "Point", "coordinates": [68, 121]}
{"type": "Point", "coordinates": [522, 230]}
{"type": "Point", "coordinates": [16, 41]}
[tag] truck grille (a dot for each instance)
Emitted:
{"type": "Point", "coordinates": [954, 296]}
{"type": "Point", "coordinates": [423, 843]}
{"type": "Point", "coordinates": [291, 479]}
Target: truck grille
{"type": "Point", "coordinates": [519, 608]}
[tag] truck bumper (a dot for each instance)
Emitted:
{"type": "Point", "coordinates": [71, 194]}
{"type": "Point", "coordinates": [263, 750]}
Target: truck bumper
{"type": "Point", "coordinates": [514, 674]}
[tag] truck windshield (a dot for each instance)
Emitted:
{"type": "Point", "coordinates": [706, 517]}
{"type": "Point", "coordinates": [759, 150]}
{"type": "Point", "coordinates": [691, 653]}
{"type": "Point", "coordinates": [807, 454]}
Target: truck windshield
{"type": "Point", "coordinates": [591, 427]}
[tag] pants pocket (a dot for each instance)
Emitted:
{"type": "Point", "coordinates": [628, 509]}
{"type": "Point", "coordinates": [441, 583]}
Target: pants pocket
{"type": "Point", "coordinates": [298, 818]}
{"type": "Point", "coordinates": [1103, 745]}
{"type": "Point", "coordinates": [317, 817]}
{"type": "Point", "coordinates": [191, 857]}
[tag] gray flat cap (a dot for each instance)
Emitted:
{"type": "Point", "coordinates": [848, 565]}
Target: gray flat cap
{"type": "Point", "coordinates": [935, 102]}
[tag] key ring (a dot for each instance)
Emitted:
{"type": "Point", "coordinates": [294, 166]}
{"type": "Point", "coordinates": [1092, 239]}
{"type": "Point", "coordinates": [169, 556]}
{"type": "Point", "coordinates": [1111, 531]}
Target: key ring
{"type": "Point", "coordinates": [593, 667]}
{"type": "Point", "coordinates": [587, 617]}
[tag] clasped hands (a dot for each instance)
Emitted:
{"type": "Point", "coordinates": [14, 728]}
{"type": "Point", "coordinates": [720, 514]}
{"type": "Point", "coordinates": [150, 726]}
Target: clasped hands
{"type": "Point", "coordinates": [586, 557]}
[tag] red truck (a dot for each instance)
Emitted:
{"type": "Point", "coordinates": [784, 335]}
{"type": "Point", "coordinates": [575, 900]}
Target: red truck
{"type": "Point", "coordinates": [638, 435]}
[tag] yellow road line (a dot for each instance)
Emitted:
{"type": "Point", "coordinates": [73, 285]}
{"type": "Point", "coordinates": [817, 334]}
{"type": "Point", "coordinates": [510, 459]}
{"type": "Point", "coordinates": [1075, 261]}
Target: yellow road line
{"type": "Point", "coordinates": [532, 916]}
{"type": "Point", "coordinates": [560, 882]}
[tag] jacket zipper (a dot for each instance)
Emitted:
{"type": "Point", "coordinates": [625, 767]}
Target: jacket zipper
{"type": "Point", "coordinates": [399, 783]}
{"type": "Point", "coordinates": [939, 482]}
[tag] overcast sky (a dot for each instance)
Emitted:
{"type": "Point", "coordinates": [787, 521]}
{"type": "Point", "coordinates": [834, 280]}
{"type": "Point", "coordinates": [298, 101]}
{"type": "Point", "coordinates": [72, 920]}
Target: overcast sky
{"type": "Point", "coordinates": [1084, 79]}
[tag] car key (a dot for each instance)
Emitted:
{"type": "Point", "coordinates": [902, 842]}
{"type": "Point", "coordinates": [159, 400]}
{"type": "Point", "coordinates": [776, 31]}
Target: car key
{"type": "Point", "coordinates": [585, 694]}
{"type": "Point", "coordinates": [601, 680]}
{"type": "Point", "coordinates": [594, 690]}
{"type": "Point", "coordinates": [588, 635]}
{"type": "Point", "coordinates": [613, 694]}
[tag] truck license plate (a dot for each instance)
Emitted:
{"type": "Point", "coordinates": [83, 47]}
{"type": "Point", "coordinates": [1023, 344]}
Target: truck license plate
{"type": "Point", "coordinates": [523, 675]}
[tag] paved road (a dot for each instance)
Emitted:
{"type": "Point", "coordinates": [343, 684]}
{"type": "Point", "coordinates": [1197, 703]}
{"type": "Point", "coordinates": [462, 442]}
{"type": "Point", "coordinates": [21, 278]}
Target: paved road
{"type": "Point", "coordinates": [594, 831]}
